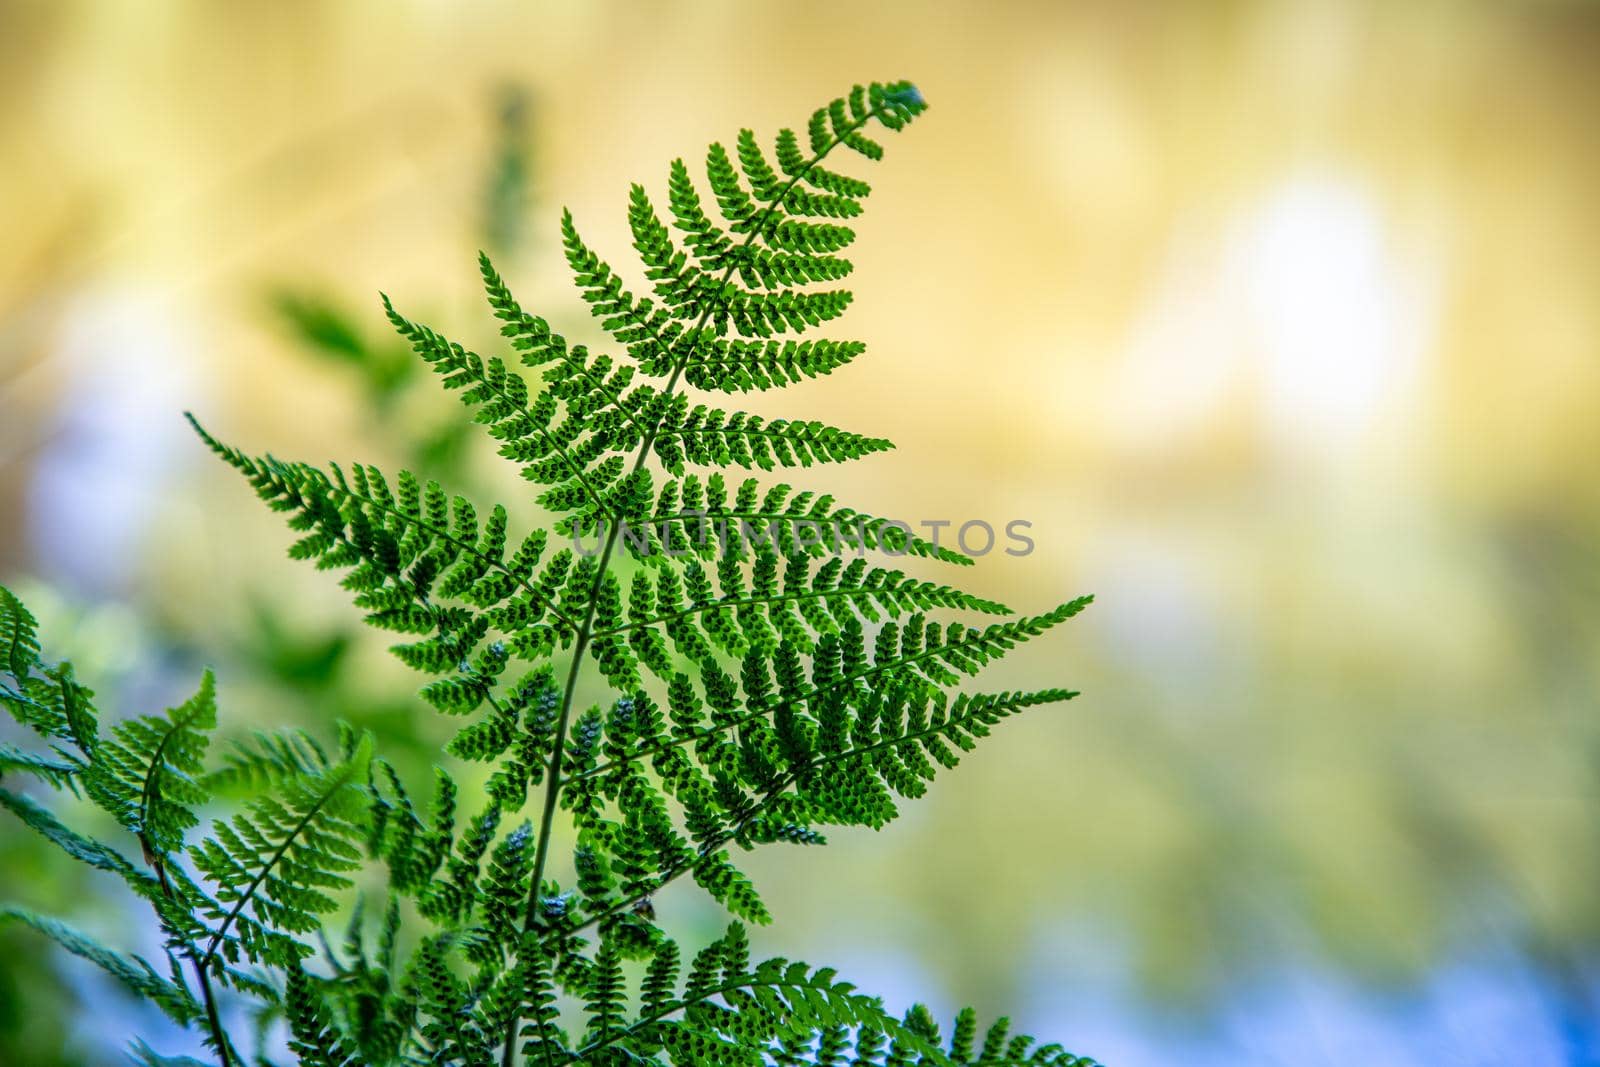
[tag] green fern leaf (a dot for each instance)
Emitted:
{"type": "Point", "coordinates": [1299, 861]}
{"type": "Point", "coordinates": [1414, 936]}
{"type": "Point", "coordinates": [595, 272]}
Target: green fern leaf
{"type": "Point", "coordinates": [96, 854]}
{"type": "Point", "coordinates": [311, 1035]}
{"type": "Point", "coordinates": [132, 971]}
{"type": "Point", "coordinates": [19, 638]}
{"type": "Point", "coordinates": [761, 678]}
{"type": "Point", "coordinates": [148, 773]}
{"type": "Point", "coordinates": [281, 859]}
{"type": "Point", "coordinates": [142, 1055]}
{"type": "Point", "coordinates": [58, 772]}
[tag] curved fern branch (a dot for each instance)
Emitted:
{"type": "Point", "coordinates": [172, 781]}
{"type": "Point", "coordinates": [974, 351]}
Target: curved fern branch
{"type": "Point", "coordinates": [501, 396]}
{"type": "Point", "coordinates": [971, 717]}
{"type": "Point", "coordinates": [985, 642]}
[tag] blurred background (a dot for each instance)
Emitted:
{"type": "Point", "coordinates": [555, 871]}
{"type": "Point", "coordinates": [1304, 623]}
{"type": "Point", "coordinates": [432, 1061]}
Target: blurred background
{"type": "Point", "coordinates": [1280, 322]}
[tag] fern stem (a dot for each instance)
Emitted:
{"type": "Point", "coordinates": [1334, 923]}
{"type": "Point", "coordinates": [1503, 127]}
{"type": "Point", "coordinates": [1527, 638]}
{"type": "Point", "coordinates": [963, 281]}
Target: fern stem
{"type": "Point", "coordinates": [552, 791]}
{"type": "Point", "coordinates": [213, 1018]}
{"type": "Point", "coordinates": [553, 781]}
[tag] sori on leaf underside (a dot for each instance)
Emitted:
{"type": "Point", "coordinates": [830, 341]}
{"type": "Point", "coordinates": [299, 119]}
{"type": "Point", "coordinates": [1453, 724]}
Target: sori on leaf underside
{"type": "Point", "coordinates": [759, 693]}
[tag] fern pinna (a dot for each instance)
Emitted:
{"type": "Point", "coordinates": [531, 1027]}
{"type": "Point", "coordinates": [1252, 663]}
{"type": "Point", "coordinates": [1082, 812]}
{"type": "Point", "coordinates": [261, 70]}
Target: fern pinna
{"type": "Point", "coordinates": [772, 675]}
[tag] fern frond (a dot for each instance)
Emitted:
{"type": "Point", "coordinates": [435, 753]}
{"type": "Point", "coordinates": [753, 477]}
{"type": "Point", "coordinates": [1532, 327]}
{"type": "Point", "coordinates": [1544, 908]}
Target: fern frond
{"type": "Point", "coordinates": [281, 859]}
{"type": "Point", "coordinates": [728, 1010]}
{"type": "Point", "coordinates": [96, 854]}
{"type": "Point", "coordinates": [148, 773]}
{"type": "Point", "coordinates": [409, 548]}
{"type": "Point", "coordinates": [1000, 1047]}
{"type": "Point", "coordinates": [49, 701]}
{"type": "Point", "coordinates": [695, 516]}
{"type": "Point", "coordinates": [597, 387]}
{"type": "Point", "coordinates": [132, 971]}
{"type": "Point", "coordinates": [711, 437]}
{"type": "Point", "coordinates": [734, 366]}
{"type": "Point", "coordinates": [917, 651]}
{"type": "Point", "coordinates": [694, 617]}
{"type": "Point", "coordinates": [894, 742]}
{"type": "Point", "coordinates": [312, 1037]}
{"type": "Point", "coordinates": [760, 686]}
{"type": "Point", "coordinates": [263, 759]}
{"type": "Point", "coordinates": [19, 638]}
{"type": "Point", "coordinates": [447, 1031]}
{"type": "Point", "coordinates": [451, 899]}
{"type": "Point", "coordinates": [551, 453]}
{"type": "Point", "coordinates": [142, 1055]}
{"type": "Point", "coordinates": [412, 849]}
{"type": "Point", "coordinates": [53, 770]}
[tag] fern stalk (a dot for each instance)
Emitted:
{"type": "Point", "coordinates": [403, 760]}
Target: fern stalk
{"type": "Point", "coordinates": [219, 1039]}
{"type": "Point", "coordinates": [554, 781]}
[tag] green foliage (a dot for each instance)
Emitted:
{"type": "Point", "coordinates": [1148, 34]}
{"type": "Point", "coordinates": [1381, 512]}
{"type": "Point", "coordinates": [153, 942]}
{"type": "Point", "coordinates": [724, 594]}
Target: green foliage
{"type": "Point", "coordinates": [132, 971]}
{"type": "Point", "coordinates": [765, 683]}
{"type": "Point", "coordinates": [145, 772]}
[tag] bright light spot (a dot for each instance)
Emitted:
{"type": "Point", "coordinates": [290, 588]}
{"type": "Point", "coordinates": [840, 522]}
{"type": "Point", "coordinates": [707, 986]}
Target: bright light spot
{"type": "Point", "coordinates": [1305, 309]}
{"type": "Point", "coordinates": [118, 441]}
{"type": "Point", "coordinates": [1339, 320]}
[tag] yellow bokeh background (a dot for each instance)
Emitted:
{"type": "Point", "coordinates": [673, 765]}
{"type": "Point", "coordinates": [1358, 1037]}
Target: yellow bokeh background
{"type": "Point", "coordinates": [1279, 321]}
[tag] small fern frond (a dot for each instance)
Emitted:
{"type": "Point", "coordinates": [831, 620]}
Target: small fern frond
{"type": "Point", "coordinates": [594, 387]}
{"type": "Point", "coordinates": [142, 1055]}
{"type": "Point", "coordinates": [281, 859]}
{"type": "Point", "coordinates": [262, 760]}
{"type": "Point", "coordinates": [96, 854]}
{"type": "Point", "coordinates": [19, 637]}
{"type": "Point", "coordinates": [148, 774]}
{"type": "Point", "coordinates": [132, 971]}
{"type": "Point", "coordinates": [47, 699]}
{"type": "Point", "coordinates": [727, 1011]}
{"type": "Point", "coordinates": [710, 437]}
{"type": "Point", "coordinates": [733, 366]}
{"type": "Point", "coordinates": [420, 563]}
{"type": "Point", "coordinates": [53, 770]}
{"type": "Point", "coordinates": [695, 516]}
{"type": "Point", "coordinates": [1000, 1048]}
{"type": "Point", "coordinates": [447, 1033]}
{"type": "Point", "coordinates": [312, 1037]}
{"type": "Point", "coordinates": [551, 454]}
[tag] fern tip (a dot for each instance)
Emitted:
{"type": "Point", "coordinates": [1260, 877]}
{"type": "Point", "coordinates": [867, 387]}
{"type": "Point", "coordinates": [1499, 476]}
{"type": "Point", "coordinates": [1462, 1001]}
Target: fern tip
{"type": "Point", "coordinates": [204, 434]}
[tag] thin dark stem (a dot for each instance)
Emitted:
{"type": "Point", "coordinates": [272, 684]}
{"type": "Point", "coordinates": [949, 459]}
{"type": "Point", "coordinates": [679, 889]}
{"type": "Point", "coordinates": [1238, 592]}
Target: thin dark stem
{"type": "Point", "coordinates": [213, 1017]}
{"type": "Point", "coordinates": [552, 791]}
{"type": "Point", "coordinates": [553, 782]}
